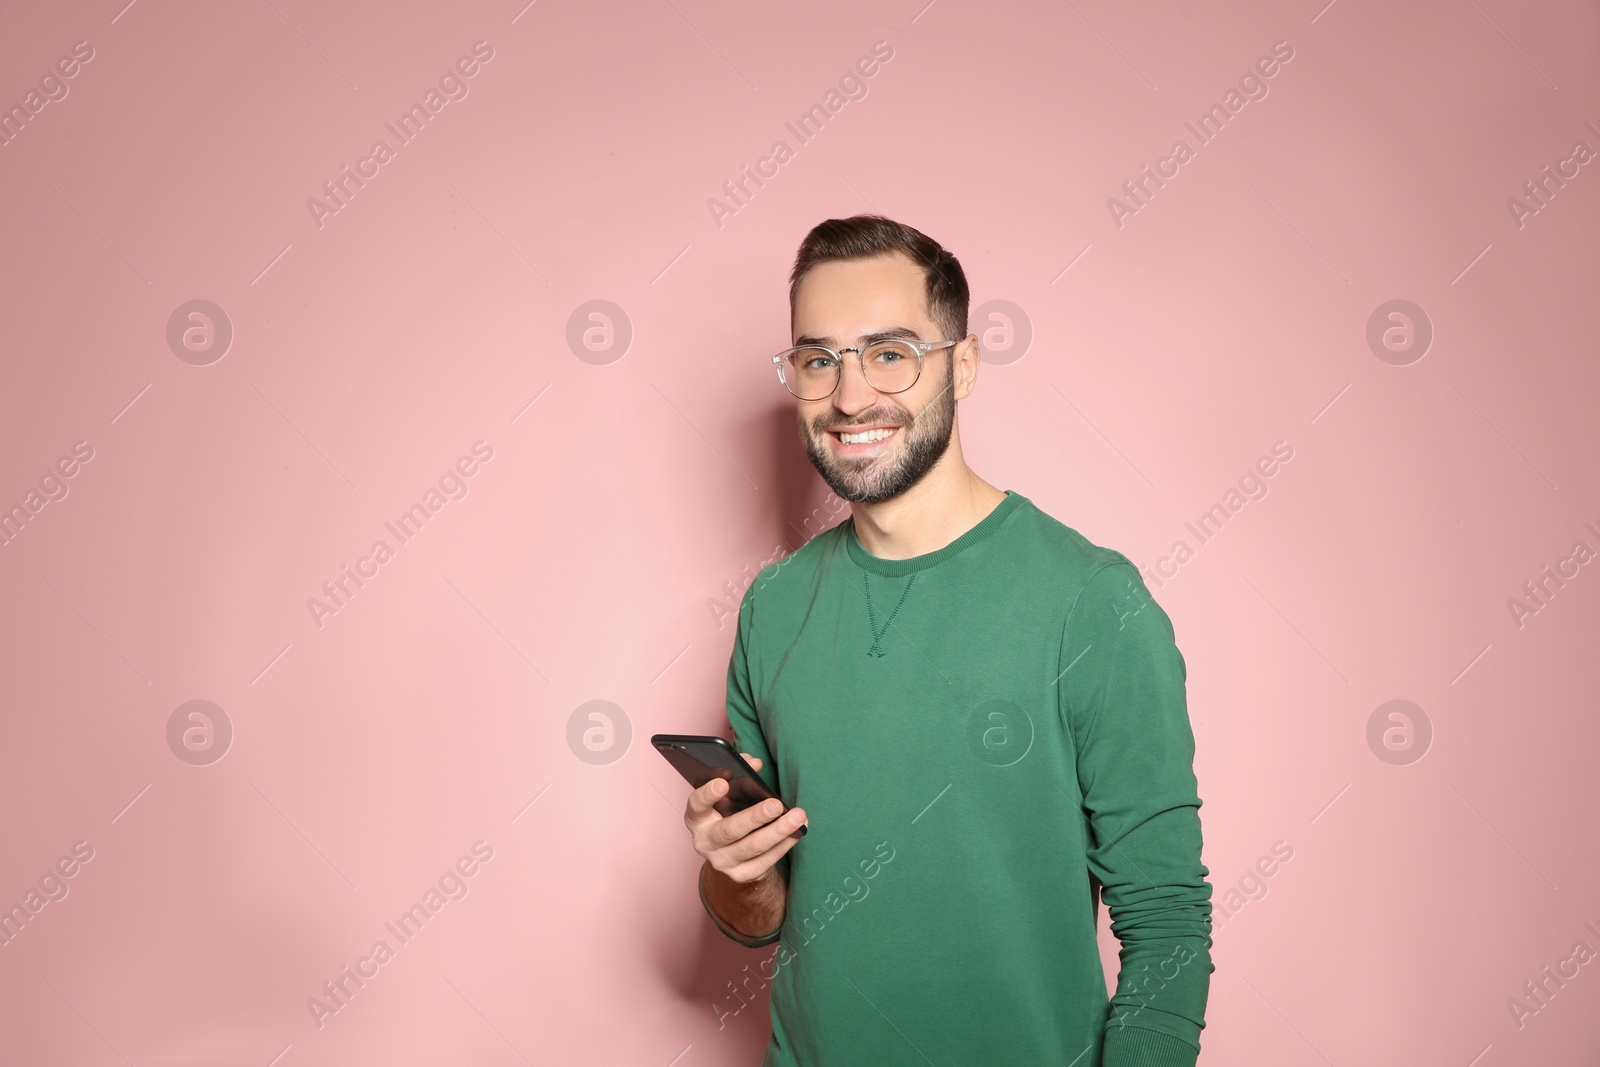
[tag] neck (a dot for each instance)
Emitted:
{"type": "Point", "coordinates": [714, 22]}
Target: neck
{"type": "Point", "coordinates": [945, 504]}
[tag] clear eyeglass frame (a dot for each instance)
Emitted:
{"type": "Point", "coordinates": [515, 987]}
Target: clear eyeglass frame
{"type": "Point", "coordinates": [922, 348]}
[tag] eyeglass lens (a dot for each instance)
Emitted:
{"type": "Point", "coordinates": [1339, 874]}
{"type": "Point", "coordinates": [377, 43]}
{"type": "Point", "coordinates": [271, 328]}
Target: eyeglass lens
{"type": "Point", "coordinates": [813, 373]}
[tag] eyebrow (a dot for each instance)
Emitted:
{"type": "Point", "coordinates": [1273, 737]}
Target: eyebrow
{"type": "Point", "coordinates": [901, 332]}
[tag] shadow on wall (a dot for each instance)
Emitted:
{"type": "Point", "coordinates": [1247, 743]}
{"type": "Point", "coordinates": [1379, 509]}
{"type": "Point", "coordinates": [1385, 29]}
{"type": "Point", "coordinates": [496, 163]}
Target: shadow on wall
{"type": "Point", "coordinates": [803, 505]}
{"type": "Point", "coordinates": [790, 506]}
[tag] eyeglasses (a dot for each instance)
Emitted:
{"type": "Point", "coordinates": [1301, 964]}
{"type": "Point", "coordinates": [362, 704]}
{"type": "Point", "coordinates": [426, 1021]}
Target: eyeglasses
{"type": "Point", "coordinates": [812, 372]}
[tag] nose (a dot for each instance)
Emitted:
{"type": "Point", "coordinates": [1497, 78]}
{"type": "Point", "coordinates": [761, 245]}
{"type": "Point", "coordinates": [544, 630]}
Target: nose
{"type": "Point", "coordinates": [855, 393]}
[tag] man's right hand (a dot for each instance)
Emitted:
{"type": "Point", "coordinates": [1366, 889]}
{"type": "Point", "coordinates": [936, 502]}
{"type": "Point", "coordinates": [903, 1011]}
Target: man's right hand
{"type": "Point", "coordinates": [744, 846]}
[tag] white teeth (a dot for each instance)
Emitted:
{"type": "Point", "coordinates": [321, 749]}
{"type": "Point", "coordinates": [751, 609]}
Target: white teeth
{"type": "Point", "coordinates": [863, 438]}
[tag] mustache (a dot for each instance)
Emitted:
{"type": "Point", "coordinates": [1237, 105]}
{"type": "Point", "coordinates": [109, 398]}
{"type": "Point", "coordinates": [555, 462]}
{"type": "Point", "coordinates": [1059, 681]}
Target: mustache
{"type": "Point", "coordinates": [907, 420]}
{"type": "Point", "coordinates": [847, 426]}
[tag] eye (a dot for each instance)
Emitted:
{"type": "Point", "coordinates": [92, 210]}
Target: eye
{"type": "Point", "coordinates": [888, 353]}
{"type": "Point", "coordinates": [811, 358]}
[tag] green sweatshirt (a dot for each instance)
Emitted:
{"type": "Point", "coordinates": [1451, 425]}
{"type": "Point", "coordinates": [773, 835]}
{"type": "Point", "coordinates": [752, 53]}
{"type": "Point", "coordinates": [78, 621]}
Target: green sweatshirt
{"type": "Point", "coordinates": [987, 739]}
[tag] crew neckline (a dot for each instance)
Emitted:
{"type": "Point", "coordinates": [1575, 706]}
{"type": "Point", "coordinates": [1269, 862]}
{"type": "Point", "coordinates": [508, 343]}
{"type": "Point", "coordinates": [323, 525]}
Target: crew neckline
{"type": "Point", "coordinates": [898, 567]}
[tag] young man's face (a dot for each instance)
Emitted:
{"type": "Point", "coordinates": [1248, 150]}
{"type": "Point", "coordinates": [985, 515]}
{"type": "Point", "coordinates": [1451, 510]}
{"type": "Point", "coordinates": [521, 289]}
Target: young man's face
{"type": "Point", "coordinates": [840, 303]}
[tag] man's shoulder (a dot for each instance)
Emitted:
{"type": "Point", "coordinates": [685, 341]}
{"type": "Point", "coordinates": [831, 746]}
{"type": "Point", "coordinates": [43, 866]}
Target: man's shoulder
{"type": "Point", "coordinates": [1066, 555]}
{"type": "Point", "coordinates": [1101, 588]}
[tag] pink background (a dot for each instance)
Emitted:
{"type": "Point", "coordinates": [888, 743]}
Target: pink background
{"type": "Point", "coordinates": [624, 495]}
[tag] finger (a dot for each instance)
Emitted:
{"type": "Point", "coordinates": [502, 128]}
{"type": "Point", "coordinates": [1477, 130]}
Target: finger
{"type": "Point", "coordinates": [754, 761]}
{"type": "Point", "coordinates": [753, 868]}
{"type": "Point", "coordinates": [739, 844]}
{"type": "Point", "coordinates": [741, 823]}
{"type": "Point", "coordinates": [701, 801]}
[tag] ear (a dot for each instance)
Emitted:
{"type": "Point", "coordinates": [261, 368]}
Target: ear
{"type": "Point", "coordinates": [964, 366]}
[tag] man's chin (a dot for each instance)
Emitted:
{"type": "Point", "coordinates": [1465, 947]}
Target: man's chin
{"type": "Point", "coordinates": [848, 486]}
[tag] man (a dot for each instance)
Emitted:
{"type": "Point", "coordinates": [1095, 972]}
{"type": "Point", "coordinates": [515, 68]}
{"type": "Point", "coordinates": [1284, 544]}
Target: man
{"type": "Point", "coordinates": [983, 711]}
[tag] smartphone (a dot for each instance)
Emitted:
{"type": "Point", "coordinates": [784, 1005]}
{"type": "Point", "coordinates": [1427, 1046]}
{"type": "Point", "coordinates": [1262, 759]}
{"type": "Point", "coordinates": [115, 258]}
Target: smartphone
{"type": "Point", "coordinates": [702, 757]}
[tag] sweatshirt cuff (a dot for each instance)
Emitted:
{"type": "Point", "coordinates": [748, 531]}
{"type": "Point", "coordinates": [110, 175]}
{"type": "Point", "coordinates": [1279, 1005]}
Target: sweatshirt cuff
{"type": "Point", "coordinates": [746, 941]}
{"type": "Point", "coordinates": [1135, 1046]}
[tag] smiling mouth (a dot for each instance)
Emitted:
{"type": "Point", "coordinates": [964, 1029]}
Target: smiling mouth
{"type": "Point", "coordinates": [864, 437]}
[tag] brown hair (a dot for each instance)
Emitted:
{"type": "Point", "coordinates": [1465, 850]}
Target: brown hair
{"type": "Point", "coordinates": [867, 236]}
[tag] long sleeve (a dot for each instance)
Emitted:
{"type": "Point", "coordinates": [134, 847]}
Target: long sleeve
{"type": "Point", "coordinates": [749, 739]}
{"type": "Point", "coordinates": [1124, 697]}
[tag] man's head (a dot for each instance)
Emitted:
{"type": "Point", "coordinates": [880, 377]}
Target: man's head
{"type": "Point", "coordinates": [855, 279]}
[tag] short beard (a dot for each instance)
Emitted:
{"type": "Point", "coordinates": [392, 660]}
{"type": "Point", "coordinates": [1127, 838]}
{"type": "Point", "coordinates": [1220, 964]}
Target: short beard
{"type": "Point", "coordinates": [926, 436]}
